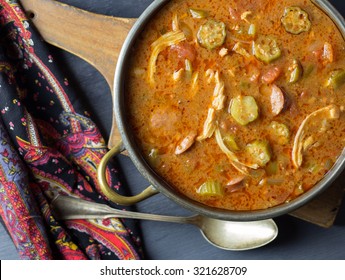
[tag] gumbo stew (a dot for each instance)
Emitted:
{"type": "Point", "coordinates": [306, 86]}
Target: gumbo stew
{"type": "Point", "coordinates": [239, 104]}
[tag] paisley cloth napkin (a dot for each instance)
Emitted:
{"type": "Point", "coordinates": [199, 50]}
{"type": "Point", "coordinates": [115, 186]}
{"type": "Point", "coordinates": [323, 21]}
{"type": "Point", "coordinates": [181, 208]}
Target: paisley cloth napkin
{"type": "Point", "coordinates": [48, 142]}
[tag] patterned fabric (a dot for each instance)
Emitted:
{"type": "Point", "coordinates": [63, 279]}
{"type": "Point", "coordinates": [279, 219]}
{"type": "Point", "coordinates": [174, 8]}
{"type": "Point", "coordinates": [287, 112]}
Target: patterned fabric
{"type": "Point", "coordinates": [48, 142]}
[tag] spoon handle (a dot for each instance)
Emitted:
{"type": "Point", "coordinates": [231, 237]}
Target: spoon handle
{"type": "Point", "coordinates": [68, 208]}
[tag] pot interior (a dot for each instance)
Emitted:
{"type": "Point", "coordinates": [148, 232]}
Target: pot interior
{"type": "Point", "coordinates": [131, 143]}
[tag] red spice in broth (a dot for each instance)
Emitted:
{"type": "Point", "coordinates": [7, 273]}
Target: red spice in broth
{"type": "Point", "coordinates": [193, 88]}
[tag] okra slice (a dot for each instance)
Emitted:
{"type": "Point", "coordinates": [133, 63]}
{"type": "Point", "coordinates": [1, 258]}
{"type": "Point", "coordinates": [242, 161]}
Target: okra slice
{"type": "Point", "coordinates": [244, 109]}
{"type": "Point", "coordinates": [211, 34]}
{"type": "Point", "coordinates": [295, 20]}
{"type": "Point", "coordinates": [296, 71]}
{"type": "Point", "coordinates": [266, 49]}
{"type": "Point", "coordinates": [211, 187]}
{"type": "Point", "coordinates": [259, 151]}
{"type": "Point", "coordinates": [279, 132]}
{"type": "Point", "coordinates": [336, 79]}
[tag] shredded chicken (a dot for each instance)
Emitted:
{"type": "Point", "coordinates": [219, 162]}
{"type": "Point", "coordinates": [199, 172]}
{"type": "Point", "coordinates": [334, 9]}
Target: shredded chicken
{"type": "Point", "coordinates": [188, 68]}
{"type": "Point", "coordinates": [209, 125]}
{"type": "Point", "coordinates": [232, 157]}
{"type": "Point", "coordinates": [238, 48]}
{"type": "Point", "coordinates": [308, 143]}
{"type": "Point", "coordinates": [328, 54]}
{"type": "Point", "coordinates": [186, 143]}
{"type": "Point", "coordinates": [166, 40]}
{"type": "Point", "coordinates": [301, 141]}
{"type": "Point", "coordinates": [177, 75]}
{"type": "Point", "coordinates": [175, 23]}
{"type": "Point", "coordinates": [195, 78]}
{"type": "Point", "coordinates": [218, 93]}
{"type": "Point", "coordinates": [245, 15]}
{"type": "Point", "coordinates": [217, 104]}
{"type": "Point", "coordinates": [223, 52]}
{"type": "Point", "coordinates": [210, 75]}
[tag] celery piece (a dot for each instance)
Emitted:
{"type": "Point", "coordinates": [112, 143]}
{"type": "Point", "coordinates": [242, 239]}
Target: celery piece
{"type": "Point", "coordinates": [275, 181]}
{"type": "Point", "coordinates": [257, 174]}
{"type": "Point", "coordinates": [299, 189]}
{"type": "Point", "coordinates": [328, 164]}
{"type": "Point", "coordinates": [308, 71]}
{"type": "Point", "coordinates": [296, 71]}
{"type": "Point", "coordinates": [197, 13]}
{"type": "Point", "coordinates": [336, 79]}
{"type": "Point", "coordinates": [211, 188]}
{"type": "Point", "coordinates": [313, 168]}
{"type": "Point", "coordinates": [230, 142]}
{"type": "Point", "coordinates": [272, 168]}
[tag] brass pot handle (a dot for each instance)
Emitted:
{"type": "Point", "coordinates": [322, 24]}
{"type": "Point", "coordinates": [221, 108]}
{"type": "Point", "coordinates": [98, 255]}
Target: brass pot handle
{"type": "Point", "coordinates": [110, 193]}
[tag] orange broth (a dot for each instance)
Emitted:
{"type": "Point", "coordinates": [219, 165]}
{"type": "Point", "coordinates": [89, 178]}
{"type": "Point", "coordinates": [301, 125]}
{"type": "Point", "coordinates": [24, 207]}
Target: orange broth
{"type": "Point", "coordinates": [300, 75]}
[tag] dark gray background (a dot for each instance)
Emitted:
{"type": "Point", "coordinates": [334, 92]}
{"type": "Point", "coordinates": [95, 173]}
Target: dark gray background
{"type": "Point", "coordinates": [296, 239]}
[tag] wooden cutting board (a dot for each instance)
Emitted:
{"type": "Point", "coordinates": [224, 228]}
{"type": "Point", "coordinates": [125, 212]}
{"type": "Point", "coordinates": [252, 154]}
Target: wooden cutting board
{"type": "Point", "coordinates": [98, 40]}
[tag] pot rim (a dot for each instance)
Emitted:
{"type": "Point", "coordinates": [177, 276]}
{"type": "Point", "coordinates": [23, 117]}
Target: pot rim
{"type": "Point", "coordinates": [159, 183]}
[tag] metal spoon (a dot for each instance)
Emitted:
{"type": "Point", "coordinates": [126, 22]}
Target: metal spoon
{"type": "Point", "coordinates": [226, 235]}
